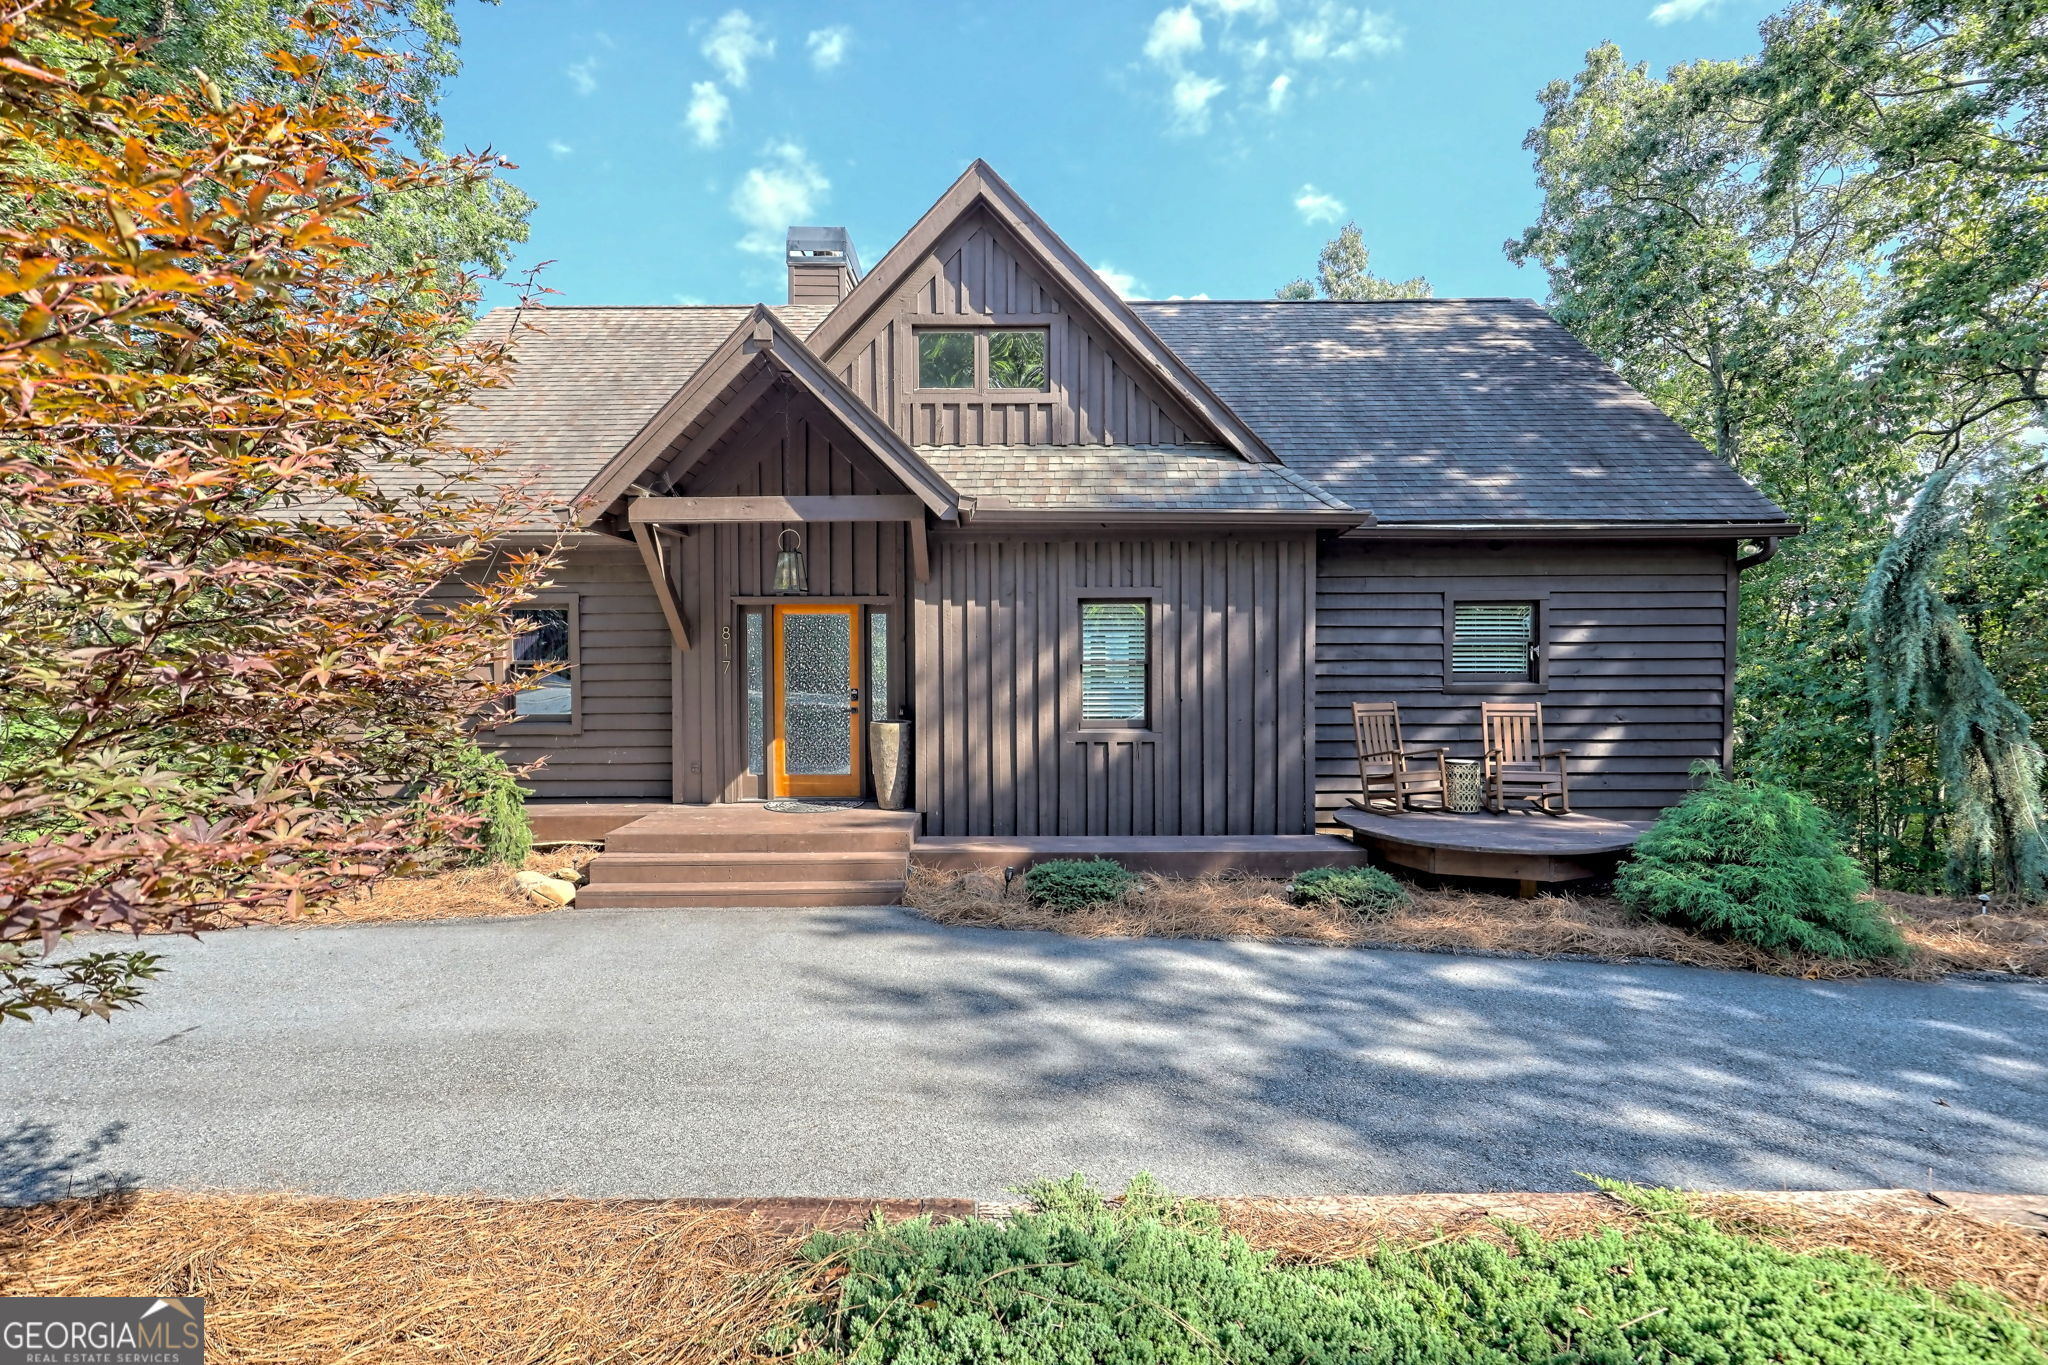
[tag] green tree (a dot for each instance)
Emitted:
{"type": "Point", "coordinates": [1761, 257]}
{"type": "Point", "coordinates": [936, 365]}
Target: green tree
{"type": "Point", "coordinates": [1344, 271]}
{"type": "Point", "coordinates": [461, 224]}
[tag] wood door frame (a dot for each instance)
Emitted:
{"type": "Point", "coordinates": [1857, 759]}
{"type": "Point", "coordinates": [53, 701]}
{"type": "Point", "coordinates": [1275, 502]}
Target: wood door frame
{"type": "Point", "coordinates": [780, 782]}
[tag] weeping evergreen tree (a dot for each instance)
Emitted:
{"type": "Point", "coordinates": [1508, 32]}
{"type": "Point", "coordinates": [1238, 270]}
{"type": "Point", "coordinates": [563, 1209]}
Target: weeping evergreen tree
{"type": "Point", "coordinates": [1923, 665]}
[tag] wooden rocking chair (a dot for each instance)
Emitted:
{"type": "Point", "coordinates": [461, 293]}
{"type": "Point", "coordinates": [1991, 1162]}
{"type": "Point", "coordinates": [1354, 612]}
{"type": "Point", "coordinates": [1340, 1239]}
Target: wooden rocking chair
{"type": "Point", "coordinates": [1386, 767]}
{"type": "Point", "coordinates": [1518, 767]}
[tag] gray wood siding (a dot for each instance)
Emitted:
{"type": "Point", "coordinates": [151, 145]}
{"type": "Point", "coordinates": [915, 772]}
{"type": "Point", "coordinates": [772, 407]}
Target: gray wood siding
{"type": "Point", "coordinates": [1097, 396]}
{"type": "Point", "coordinates": [999, 748]}
{"type": "Point", "coordinates": [715, 564]}
{"type": "Point", "coordinates": [622, 750]}
{"type": "Point", "coordinates": [1639, 642]}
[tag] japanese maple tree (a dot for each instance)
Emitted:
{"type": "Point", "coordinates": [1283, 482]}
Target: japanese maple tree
{"type": "Point", "coordinates": [226, 500]}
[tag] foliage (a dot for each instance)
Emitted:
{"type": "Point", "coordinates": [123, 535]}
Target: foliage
{"type": "Point", "coordinates": [227, 494]}
{"type": "Point", "coordinates": [1344, 271]}
{"type": "Point", "coordinates": [94, 984]}
{"type": "Point", "coordinates": [486, 788]}
{"type": "Point", "coordinates": [459, 224]}
{"type": "Point", "coordinates": [1156, 1281]}
{"type": "Point", "coordinates": [1355, 888]}
{"type": "Point", "coordinates": [1759, 863]}
{"type": "Point", "coordinates": [1076, 883]}
{"type": "Point", "coordinates": [1923, 664]}
{"type": "Point", "coordinates": [1796, 273]}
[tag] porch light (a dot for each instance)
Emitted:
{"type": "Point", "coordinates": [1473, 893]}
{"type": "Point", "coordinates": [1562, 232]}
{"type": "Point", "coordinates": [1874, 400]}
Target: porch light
{"type": "Point", "coordinates": [789, 565]}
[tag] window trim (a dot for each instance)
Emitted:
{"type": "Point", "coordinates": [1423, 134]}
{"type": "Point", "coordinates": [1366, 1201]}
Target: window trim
{"type": "Point", "coordinates": [1084, 731]}
{"type": "Point", "coordinates": [1539, 632]}
{"type": "Point", "coordinates": [980, 327]}
{"type": "Point", "coordinates": [515, 724]}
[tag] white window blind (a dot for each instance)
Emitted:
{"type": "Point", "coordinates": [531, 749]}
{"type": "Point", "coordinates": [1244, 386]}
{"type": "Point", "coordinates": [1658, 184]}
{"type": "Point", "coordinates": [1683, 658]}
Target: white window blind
{"type": "Point", "coordinates": [1493, 639]}
{"type": "Point", "coordinates": [1114, 662]}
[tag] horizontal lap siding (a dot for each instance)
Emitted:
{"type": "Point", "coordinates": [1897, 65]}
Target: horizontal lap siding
{"type": "Point", "coordinates": [1638, 641]}
{"type": "Point", "coordinates": [999, 750]}
{"type": "Point", "coordinates": [623, 749]}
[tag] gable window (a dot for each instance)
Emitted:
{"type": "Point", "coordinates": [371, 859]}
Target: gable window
{"type": "Point", "coordinates": [544, 655]}
{"type": "Point", "coordinates": [1494, 642]}
{"type": "Point", "coordinates": [1116, 665]}
{"type": "Point", "coordinates": [1016, 360]}
{"type": "Point", "coordinates": [986, 361]}
{"type": "Point", "coordinates": [945, 360]}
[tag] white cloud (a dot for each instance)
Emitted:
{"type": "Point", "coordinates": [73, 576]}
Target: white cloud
{"type": "Point", "coordinates": [735, 41]}
{"type": "Point", "coordinates": [559, 147]}
{"type": "Point", "coordinates": [1276, 93]}
{"type": "Point", "coordinates": [1176, 34]}
{"type": "Point", "coordinates": [828, 46]}
{"type": "Point", "coordinates": [1191, 95]}
{"type": "Point", "coordinates": [787, 188]}
{"type": "Point", "coordinates": [583, 75]}
{"type": "Point", "coordinates": [1230, 9]}
{"type": "Point", "coordinates": [1333, 32]}
{"type": "Point", "coordinates": [708, 113]}
{"type": "Point", "coordinates": [1184, 298]}
{"type": "Point", "coordinates": [1123, 282]}
{"type": "Point", "coordinates": [1314, 206]}
{"type": "Point", "coordinates": [1678, 11]}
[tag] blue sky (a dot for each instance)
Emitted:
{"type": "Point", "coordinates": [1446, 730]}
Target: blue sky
{"type": "Point", "coordinates": [1199, 148]}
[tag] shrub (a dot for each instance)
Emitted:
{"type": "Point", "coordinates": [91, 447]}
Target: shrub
{"type": "Point", "coordinates": [485, 788]}
{"type": "Point", "coordinates": [1159, 1281]}
{"type": "Point", "coordinates": [1077, 883]}
{"type": "Point", "coordinates": [1759, 863]}
{"type": "Point", "coordinates": [1355, 888]}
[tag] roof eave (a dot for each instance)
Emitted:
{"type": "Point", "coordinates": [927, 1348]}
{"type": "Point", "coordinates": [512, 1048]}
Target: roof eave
{"type": "Point", "coordinates": [1577, 530]}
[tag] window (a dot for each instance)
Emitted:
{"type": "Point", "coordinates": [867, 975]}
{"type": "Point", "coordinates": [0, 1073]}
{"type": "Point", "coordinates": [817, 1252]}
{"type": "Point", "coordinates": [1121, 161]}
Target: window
{"type": "Point", "coordinates": [1016, 360]}
{"type": "Point", "coordinates": [945, 360]}
{"type": "Point", "coordinates": [984, 361]}
{"type": "Point", "coordinates": [1493, 642]}
{"type": "Point", "coordinates": [544, 655]}
{"type": "Point", "coordinates": [1115, 665]}
{"type": "Point", "coordinates": [878, 665]}
{"type": "Point", "coordinates": [754, 651]}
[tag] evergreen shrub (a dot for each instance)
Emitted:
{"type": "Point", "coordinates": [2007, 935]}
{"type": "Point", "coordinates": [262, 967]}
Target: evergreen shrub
{"type": "Point", "coordinates": [1157, 1281]}
{"type": "Point", "coordinates": [1077, 883]}
{"type": "Point", "coordinates": [489, 790]}
{"type": "Point", "coordinates": [1756, 862]}
{"type": "Point", "coordinates": [1365, 889]}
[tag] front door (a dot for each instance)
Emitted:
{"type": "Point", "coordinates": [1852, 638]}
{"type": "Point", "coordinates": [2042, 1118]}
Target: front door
{"type": "Point", "coordinates": [815, 747]}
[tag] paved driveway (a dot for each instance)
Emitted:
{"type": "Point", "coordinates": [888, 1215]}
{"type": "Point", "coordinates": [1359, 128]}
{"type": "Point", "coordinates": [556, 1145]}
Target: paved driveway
{"type": "Point", "coordinates": [866, 1052]}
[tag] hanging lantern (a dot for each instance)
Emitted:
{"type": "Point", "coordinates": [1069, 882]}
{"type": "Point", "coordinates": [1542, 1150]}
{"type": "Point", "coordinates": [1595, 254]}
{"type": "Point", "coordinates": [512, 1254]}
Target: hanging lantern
{"type": "Point", "coordinates": [789, 565]}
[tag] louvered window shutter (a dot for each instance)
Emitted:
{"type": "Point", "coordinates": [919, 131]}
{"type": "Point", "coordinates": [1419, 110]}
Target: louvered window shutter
{"type": "Point", "coordinates": [1493, 640]}
{"type": "Point", "coordinates": [1115, 661]}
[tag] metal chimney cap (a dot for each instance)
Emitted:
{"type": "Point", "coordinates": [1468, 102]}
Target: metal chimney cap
{"type": "Point", "coordinates": [823, 246]}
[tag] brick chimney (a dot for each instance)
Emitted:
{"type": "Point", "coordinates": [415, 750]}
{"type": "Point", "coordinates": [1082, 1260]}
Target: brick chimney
{"type": "Point", "coordinates": [822, 266]}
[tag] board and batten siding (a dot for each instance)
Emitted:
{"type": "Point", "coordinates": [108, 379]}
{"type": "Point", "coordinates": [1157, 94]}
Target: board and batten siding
{"type": "Point", "coordinates": [975, 277]}
{"type": "Point", "coordinates": [621, 751]}
{"type": "Point", "coordinates": [1640, 648]}
{"type": "Point", "coordinates": [999, 745]}
{"type": "Point", "coordinates": [714, 564]}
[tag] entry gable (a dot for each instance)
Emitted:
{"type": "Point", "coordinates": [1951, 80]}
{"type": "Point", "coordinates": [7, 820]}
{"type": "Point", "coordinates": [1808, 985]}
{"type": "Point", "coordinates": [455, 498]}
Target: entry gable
{"type": "Point", "coordinates": [760, 354]}
{"type": "Point", "coordinates": [982, 261]}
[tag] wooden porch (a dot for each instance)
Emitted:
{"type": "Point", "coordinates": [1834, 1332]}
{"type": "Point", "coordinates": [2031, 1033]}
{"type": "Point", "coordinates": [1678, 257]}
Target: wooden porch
{"type": "Point", "coordinates": [1527, 848]}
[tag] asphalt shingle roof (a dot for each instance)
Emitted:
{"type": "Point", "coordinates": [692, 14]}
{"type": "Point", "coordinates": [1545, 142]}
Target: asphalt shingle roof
{"type": "Point", "coordinates": [1452, 410]}
{"type": "Point", "coordinates": [1117, 478]}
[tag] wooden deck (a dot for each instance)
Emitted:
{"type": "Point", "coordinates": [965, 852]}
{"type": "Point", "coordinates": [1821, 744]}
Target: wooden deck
{"type": "Point", "coordinates": [1178, 855]}
{"type": "Point", "coordinates": [1527, 849]}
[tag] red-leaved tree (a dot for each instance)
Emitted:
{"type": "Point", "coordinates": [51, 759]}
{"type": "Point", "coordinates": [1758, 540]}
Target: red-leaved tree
{"type": "Point", "coordinates": [225, 502]}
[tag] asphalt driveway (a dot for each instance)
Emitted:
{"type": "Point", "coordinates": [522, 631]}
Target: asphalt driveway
{"type": "Point", "coordinates": [867, 1052]}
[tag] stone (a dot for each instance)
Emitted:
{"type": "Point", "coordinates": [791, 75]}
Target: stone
{"type": "Point", "coordinates": [548, 890]}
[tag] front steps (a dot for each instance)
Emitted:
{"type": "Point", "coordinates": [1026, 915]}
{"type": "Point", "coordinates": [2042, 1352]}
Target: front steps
{"type": "Point", "coordinates": [686, 857]}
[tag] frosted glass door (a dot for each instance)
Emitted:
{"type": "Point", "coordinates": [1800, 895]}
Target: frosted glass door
{"type": "Point", "coordinates": [818, 749]}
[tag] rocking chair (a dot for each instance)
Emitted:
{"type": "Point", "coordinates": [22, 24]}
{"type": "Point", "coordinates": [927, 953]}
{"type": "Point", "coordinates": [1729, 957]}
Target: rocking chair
{"type": "Point", "coordinates": [1518, 767]}
{"type": "Point", "coordinates": [1386, 767]}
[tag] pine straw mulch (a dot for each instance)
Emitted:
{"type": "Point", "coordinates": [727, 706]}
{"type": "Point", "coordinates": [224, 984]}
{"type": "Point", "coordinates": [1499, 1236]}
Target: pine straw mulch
{"type": "Point", "coordinates": [462, 893]}
{"type": "Point", "coordinates": [1901, 1230]}
{"type": "Point", "coordinates": [1946, 936]}
{"type": "Point", "coordinates": [397, 1281]}
{"type": "Point", "coordinates": [419, 1279]}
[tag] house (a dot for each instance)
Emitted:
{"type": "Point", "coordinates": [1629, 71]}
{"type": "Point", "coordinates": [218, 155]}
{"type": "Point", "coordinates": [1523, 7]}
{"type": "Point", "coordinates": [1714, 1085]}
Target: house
{"type": "Point", "coordinates": [1123, 564]}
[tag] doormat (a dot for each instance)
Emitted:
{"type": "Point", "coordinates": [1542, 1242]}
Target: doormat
{"type": "Point", "coordinates": [812, 807]}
